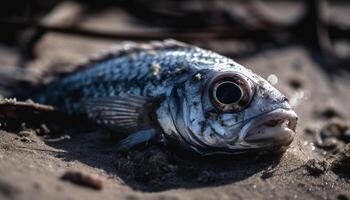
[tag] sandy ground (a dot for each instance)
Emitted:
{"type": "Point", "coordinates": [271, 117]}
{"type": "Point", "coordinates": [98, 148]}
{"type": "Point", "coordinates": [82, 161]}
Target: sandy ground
{"type": "Point", "coordinates": [32, 166]}
{"type": "Point", "coordinates": [32, 162]}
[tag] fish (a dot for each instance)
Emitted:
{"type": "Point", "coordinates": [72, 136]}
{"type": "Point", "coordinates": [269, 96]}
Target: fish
{"type": "Point", "coordinates": [178, 95]}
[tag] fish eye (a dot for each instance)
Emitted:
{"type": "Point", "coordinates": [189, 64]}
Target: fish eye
{"type": "Point", "coordinates": [227, 92]}
{"type": "Point", "coordinates": [230, 92]}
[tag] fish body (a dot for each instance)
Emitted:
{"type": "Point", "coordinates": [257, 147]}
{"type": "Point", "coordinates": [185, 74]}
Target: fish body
{"type": "Point", "coordinates": [179, 94]}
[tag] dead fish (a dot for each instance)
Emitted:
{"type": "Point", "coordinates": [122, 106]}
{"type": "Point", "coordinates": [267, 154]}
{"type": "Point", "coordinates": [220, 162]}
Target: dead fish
{"type": "Point", "coordinates": [176, 94]}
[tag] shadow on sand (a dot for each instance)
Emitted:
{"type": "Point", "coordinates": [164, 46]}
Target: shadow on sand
{"type": "Point", "coordinates": [154, 168]}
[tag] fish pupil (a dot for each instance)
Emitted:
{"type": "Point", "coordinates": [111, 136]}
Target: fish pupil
{"type": "Point", "coordinates": [228, 93]}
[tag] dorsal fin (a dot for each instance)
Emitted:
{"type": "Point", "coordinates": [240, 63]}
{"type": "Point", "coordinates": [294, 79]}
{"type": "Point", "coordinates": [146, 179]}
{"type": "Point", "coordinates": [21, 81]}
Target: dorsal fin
{"type": "Point", "coordinates": [126, 48]}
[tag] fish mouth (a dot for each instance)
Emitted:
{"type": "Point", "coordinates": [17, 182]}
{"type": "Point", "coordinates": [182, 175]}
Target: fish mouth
{"type": "Point", "coordinates": [276, 127]}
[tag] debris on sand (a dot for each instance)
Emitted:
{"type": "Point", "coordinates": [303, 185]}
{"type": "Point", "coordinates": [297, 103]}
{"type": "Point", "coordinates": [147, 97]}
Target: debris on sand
{"type": "Point", "coordinates": [333, 136]}
{"type": "Point", "coordinates": [152, 165]}
{"type": "Point", "coordinates": [331, 144]}
{"type": "Point", "coordinates": [161, 169]}
{"type": "Point", "coordinates": [8, 190]}
{"type": "Point", "coordinates": [328, 113]}
{"type": "Point", "coordinates": [25, 133]}
{"type": "Point", "coordinates": [84, 179]}
{"type": "Point", "coordinates": [334, 129]}
{"type": "Point", "coordinates": [316, 168]}
{"type": "Point", "coordinates": [156, 167]}
{"type": "Point", "coordinates": [26, 140]}
{"type": "Point", "coordinates": [296, 83]}
{"type": "Point", "coordinates": [58, 139]}
{"type": "Point", "coordinates": [8, 100]}
{"type": "Point", "coordinates": [44, 129]}
{"type": "Point", "coordinates": [310, 131]}
{"type": "Point", "coordinates": [341, 164]}
{"type": "Point", "coordinates": [343, 197]}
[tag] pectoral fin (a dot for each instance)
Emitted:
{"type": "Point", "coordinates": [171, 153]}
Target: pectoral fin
{"type": "Point", "coordinates": [124, 113]}
{"type": "Point", "coordinates": [135, 139]}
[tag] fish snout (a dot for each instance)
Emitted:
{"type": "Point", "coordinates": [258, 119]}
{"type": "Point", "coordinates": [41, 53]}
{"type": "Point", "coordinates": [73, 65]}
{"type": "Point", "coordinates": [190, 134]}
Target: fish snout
{"type": "Point", "coordinates": [276, 127]}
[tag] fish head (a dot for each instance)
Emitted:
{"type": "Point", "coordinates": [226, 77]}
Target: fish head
{"type": "Point", "coordinates": [227, 110]}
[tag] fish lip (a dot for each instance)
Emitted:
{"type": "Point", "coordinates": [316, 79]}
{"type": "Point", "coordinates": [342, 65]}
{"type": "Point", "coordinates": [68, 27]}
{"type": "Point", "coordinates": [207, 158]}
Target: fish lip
{"type": "Point", "coordinates": [282, 134]}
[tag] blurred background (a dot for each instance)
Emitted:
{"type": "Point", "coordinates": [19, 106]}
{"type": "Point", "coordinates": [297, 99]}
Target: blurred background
{"type": "Point", "coordinates": [234, 28]}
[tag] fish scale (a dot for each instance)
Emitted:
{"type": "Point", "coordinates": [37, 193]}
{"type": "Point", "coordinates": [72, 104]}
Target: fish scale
{"type": "Point", "coordinates": [99, 79]}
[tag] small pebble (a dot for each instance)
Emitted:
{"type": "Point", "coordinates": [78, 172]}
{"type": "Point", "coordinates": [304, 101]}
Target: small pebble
{"type": "Point", "coordinates": [329, 143]}
{"type": "Point", "coordinates": [315, 167]}
{"type": "Point", "coordinates": [26, 140]}
{"type": "Point", "coordinates": [45, 129]}
{"type": "Point", "coordinates": [342, 162]}
{"type": "Point", "coordinates": [347, 150]}
{"type": "Point", "coordinates": [296, 83]}
{"type": "Point", "coordinates": [346, 136]}
{"type": "Point", "coordinates": [9, 190]}
{"type": "Point", "coordinates": [333, 136]}
{"type": "Point", "coordinates": [343, 197]}
{"type": "Point", "coordinates": [309, 131]}
{"type": "Point", "coordinates": [328, 113]}
{"type": "Point", "coordinates": [84, 179]}
{"type": "Point", "coordinates": [25, 133]}
{"type": "Point", "coordinates": [334, 129]}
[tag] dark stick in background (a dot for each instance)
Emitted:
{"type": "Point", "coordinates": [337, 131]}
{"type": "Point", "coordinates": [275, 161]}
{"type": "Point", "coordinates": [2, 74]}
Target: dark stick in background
{"type": "Point", "coordinates": [311, 29]}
